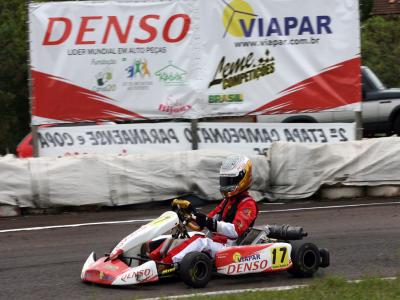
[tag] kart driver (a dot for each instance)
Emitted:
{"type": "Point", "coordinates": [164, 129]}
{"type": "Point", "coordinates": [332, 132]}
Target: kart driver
{"type": "Point", "coordinates": [230, 219]}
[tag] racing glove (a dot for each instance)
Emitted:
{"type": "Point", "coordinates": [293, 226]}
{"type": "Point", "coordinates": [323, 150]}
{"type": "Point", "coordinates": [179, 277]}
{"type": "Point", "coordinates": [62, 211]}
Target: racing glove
{"type": "Point", "coordinates": [203, 221]}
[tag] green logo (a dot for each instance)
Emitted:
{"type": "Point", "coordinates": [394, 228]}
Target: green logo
{"type": "Point", "coordinates": [172, 75]}
{"type": "Point", "coordinates": [225, 98]}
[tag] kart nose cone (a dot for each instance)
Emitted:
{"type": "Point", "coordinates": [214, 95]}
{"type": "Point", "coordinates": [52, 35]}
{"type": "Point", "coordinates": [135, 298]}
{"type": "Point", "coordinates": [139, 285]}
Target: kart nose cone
{"type": "Point", "coordinates": [102, 271]}
{"type": "Point", "coordinates": [97, 276]}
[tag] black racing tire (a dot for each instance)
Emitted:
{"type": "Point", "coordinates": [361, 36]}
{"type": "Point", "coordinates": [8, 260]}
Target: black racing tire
{"type": "Point", "coordinates": [306, 259]}
{"type": "Point", "coordinates": [396, 125]}
{"type": "Point", "coordinates": [195, 269]}
{"type": "Point", "coordinates": [325, 258]}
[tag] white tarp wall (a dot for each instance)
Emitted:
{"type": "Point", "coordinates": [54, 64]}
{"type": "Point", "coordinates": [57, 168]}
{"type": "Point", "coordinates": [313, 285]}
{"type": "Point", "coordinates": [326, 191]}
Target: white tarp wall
{"type": "Point", "coordinates": [15, 182]}
{"type": "Point", "coordinates": [291, 171]}
{"type": "Point", "coordinates": [299, 170]}
{"type": "Point", "coordinates": [116, 180]}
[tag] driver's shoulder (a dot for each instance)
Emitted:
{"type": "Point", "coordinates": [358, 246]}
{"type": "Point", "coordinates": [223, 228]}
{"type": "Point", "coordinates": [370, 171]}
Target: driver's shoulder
{"type": "Point", "coordinates": [248, 201]}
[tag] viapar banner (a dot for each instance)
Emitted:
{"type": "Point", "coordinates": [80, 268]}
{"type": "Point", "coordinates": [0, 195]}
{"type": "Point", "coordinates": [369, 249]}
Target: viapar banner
{"type": "Point", "coordinates": [190, 59]}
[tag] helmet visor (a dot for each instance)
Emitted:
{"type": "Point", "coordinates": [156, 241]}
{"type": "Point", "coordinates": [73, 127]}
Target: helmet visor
{"type": "Point", "coordinates": [229, 183]}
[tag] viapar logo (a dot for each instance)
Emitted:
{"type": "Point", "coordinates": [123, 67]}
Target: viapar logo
{"type": "Point", "coordinates": [236, 13]}
{"type": "Point", "coordinates": [240, 20]}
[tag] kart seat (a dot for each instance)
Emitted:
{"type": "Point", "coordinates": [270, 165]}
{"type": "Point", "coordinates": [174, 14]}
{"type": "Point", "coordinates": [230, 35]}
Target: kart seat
{"type": "Point", "coordinates": [157, 250]}
{"type": "Point", "coordinates": [249, 237]}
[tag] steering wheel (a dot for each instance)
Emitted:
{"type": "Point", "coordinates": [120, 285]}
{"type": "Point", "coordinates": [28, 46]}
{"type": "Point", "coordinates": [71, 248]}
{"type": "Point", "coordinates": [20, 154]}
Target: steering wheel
{"type": "Point", "coordinates": [186, 211]}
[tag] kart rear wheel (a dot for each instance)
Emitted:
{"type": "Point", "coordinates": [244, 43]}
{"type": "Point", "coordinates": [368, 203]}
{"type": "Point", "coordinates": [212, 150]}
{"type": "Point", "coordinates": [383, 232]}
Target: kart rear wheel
{"type": "Point", "coordinates": [325, 258]}
{"type": "Point", "coordinates": [195, 269]}
{"type": "Point", "coordinates": [306, 259]}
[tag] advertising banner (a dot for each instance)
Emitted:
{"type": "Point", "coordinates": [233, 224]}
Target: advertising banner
{"type": "Point", "coordinates": [166, 59]}
{"type": "Point", "coordinates": [269, 57]}
{"type": "Point", "coordinates": [95, 60]}
{"type": "Point", "coordinates": [245, 138]}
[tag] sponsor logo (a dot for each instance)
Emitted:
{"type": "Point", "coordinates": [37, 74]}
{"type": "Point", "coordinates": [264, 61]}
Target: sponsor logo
{"type": "Point", "coordinates": [240, 20]}
{"type": "Point", "coordinates": [237, 257]}
{"type": "Point", "coordinates": [173, 106]}
{"type": "Point", "coordinates": [139, 74]}
{"type": "Point", "coordinates": [89, 274]}
{"type": "Point", "coordinates": [93, 30]}
{"type": "Point", "coordinates": [140, 275]}
{"type": "Point", "coordinates": [225, 98]}
{"type": "Point", "coordinates": [103, 81]}
{"type": "Point", "coordinates": [172, 75]}
{"type": "Point", "coordinates": [235, 13]}
{"type": "Point", "coordinates": [247, 212]}
{"type": "Point", "coordinates": [111, 267]}
{"type": "Point", "coordinates": [140, 67]}
{"type": "Point", "coordinates": [168, 271]}
{"type": "Point", "coordinates": [106, 277]}
{"type": "Point", "coordinates": [239, 224]}
{"type": "Point", "coordinates": [244, 69]}
{"type": "Point", "coordinates": [249, 266]}
{"type": "Point", "coordinates": [94, 275]}
{"type": "Point", "coordinates": [103, 62]}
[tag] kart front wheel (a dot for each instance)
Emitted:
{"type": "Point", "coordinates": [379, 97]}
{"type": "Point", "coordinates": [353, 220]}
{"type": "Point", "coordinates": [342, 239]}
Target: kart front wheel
{"type": "Point", "coordinates": [306, 259]}
{"type": "Point", "coordinates": [195, 269]}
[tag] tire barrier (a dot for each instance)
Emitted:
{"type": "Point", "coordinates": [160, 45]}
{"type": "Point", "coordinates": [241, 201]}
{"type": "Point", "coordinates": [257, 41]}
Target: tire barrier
{"type": "Point", "coordinates": [290, 171]}
{"type": "Point", "coordinates": [108, 180]}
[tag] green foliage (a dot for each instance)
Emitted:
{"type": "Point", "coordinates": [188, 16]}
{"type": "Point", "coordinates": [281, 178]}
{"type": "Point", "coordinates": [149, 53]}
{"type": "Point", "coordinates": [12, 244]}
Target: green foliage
{"type": "Point", "coordinates": [14, 102]}
{"type": "Point", "coordinates": [365, 9]}
{"type": "Point", "coordinates": [328, 289]}
{"type": "Point", "coordinates": [14, 89]}
{"type": "Point", "coordinates": [380, 48]}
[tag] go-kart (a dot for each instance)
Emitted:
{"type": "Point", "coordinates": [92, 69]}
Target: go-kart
{"type": "Point", "coordinates": [271, 248]}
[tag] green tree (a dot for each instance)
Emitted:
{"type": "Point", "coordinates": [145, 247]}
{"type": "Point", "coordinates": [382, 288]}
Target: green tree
{"type": "Point", "coordinates": [365, 9]}
{"type": "Point", "coordinates": [14, 89]}
{"type": "Point", "coordinates": [14, 102]}
{"type": "Point", "coordinates": [380, 48]}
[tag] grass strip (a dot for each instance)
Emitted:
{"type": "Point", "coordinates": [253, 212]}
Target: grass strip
{"type": "Point", "coordinates": [326, 289]}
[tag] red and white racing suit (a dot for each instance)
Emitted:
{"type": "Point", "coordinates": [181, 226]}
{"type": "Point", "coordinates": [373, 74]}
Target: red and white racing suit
{"type": "Point", "coordinates": [234, 216]}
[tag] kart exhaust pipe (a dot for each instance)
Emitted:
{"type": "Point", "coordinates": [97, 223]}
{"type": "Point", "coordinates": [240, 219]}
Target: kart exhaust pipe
{"type": "Point", "coordinates": [286, 232]}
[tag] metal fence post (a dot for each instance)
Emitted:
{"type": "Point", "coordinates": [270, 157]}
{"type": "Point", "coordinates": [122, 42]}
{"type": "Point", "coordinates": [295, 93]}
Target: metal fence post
{"type": "Point", "coordinates": [359, 125]}
{"type": "Point", "coordinates": [194, 126]}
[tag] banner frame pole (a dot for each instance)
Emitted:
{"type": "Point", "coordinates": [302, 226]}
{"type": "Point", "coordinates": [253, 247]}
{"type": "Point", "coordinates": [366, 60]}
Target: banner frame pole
{"type": "Point", "coordinates": [194, 127]}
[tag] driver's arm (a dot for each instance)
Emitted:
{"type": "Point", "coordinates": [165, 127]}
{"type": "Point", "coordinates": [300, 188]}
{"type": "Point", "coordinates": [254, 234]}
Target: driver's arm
{"type": "Point", "coordinates": [245, 216]}
{"type": "Point", "coordinates": [218, 209]}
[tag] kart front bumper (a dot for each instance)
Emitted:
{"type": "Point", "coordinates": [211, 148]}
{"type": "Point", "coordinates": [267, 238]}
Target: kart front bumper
{"type": "Point", "coordinates": [115, 272]}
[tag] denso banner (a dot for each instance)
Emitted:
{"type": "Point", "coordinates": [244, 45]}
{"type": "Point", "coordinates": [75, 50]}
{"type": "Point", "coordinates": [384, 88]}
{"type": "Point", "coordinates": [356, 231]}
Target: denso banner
{"type": "Point", "coordinates": [245, 138]}
{"type": "Point", "coordinates": [107, 60]}
{"type": "Point", "coordinates": [100, 60]}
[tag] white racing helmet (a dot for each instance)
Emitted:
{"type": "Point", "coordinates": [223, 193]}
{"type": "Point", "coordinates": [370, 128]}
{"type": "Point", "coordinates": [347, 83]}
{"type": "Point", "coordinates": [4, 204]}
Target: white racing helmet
{"type": "Point", "coordinates": [235, 175]}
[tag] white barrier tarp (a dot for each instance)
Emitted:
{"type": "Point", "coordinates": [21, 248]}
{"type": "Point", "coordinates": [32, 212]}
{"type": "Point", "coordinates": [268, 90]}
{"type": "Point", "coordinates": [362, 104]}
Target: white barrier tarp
{"type": "Point", "coordinates": [291, 171]}
{"type": "Point", "coordinates": [118, 180]}
{"type": "Point", "coordinates": [72, 181]}
{"type": "Point", "coordinates": [15, 182]}
{"type": "Point", "coordinates": [299, 170]}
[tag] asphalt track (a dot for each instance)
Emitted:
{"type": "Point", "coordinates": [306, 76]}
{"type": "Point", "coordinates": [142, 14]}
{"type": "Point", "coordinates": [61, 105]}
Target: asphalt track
{"type": "Point", "coordinates": [46, 263]}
